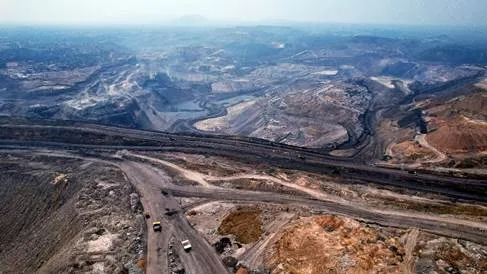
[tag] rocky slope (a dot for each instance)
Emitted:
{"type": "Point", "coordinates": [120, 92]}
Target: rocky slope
{"type": "Point", "coordinates": [64, 216]}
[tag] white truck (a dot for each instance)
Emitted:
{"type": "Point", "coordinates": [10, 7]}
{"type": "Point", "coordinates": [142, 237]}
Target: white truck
{"type": "Point", "coordinates": [186, 245]}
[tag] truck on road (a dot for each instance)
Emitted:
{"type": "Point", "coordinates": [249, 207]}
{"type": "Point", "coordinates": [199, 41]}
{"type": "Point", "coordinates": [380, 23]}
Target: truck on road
{"type": "Point", "coordinates": [157, 226]}
{"type": "Point", "coordinates": [186, 245]}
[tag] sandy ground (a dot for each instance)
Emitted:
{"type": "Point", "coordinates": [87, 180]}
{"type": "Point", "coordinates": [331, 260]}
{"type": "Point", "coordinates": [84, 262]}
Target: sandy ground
{"type": "Point", "coordinates": [220, 123]}
{"type": "Point", "coordinates": [412, 239]}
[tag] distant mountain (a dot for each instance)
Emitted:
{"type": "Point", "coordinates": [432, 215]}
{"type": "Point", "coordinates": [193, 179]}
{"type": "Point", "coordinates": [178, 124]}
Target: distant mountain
{"type": "Point", "coordinates": [191, 20]}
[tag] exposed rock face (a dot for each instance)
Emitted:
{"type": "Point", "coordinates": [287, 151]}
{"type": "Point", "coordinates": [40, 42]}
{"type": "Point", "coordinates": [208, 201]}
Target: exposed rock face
{"type": "Point", "coordinates": [331, 244]}
{"type": "Point", "coordinates": [327, 114]}
{"type": "Point", "coordinates": [80, 218]}
{"type": "Point", "coordinates": [328, 244]}
{"type": "Point", "coordinates": [449, 131]}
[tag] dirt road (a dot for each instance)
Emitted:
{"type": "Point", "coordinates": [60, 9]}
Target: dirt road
{"type": "Point", "coordinates": [149, 181]}
{"type": "Point", "coordinates": [157, 243]}
{"type": "Point", "coordinates": [440, 156]}
{"type": "Point", "coordinates": [314, 194]}
{"type": "Point", "coordinates": [450, 227]}
{"type": "Point", "coordinates": [188, 174]}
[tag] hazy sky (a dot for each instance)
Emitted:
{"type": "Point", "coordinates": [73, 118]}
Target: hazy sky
{"type": "Point", "coordinates": [436, 12]}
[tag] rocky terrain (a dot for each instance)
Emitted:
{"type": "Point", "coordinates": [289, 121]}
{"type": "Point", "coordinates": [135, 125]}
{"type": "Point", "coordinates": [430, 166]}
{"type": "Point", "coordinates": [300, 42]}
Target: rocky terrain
{"type": "Point", "coordinates": [287, 85]}
{"type": "Point", "coordinates": [86, 196]}
{"type": "Point", "coordinates": [263, 237]}
{"type": "Point", "coordinates": [84, 215]}
{"type": "Point", "coordinates": [270, 149]}
{"type": "Point", "coordinates": [454, 136]}
{"type": "Point", "coordinates": [330, 244]}
{"type": "Point", "coordinates": [316, 117]}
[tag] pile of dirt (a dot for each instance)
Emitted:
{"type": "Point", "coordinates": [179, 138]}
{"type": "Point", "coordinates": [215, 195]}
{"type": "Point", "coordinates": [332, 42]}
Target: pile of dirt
{"type": "Point", "coordinates": [459, 135]}
{"type": "Point", "coordinates": [242, 271]}
{"type": "Point", "coordinates": [410, 152]}
{"type": "Point", "coordinates": [473, 104]}
{"type": "Point", "coordinates": [245, 224]}
{"type": "Point", "coordinates": [34, 213]}
{"type": "Point", "coordinates": [330, 244]}
{"type": "Point", "coordinates": [458, 124]}
{"type": "Point", "coordinates": [257, 185]}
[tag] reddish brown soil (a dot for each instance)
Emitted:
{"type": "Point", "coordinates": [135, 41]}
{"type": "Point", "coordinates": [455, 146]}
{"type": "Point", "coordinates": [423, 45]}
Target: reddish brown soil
{"type": "Point", "coordinates": [459, 135]}
{"type": "Point", "coordinates": [329, 244]}
{"type": "Point", "coordinates": [245, 224]}
{"type": "Point", "coordinates": [411, 151]}
{"type": "Point", "coordinates": [459, 124]}
{"type": "Point", "coordinates": [242, 271]}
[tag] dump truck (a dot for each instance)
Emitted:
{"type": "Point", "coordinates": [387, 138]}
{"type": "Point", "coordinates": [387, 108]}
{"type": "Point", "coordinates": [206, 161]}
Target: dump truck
{"type": "Point", "coordinates": [186, 245]}
{"type": "Point", "coordinates": [157, 226]}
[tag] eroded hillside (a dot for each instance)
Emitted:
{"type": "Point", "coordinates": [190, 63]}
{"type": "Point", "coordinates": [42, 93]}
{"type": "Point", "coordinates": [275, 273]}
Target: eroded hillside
{"type": "Point", "coordinates": [62, 215]}
{"type": "Point", "coordinates": [454, 134]}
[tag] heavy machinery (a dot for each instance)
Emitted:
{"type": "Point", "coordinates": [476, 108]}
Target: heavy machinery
{"type": "Point", "coordinates": [157, 226]}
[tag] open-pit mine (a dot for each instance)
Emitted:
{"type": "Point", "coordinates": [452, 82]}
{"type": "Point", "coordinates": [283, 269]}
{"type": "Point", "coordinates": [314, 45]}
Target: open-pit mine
{"type": "Point", "coordinates": [242, 150]}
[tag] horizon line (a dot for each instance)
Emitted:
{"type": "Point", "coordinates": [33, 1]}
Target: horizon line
{"type": "Point", "coordinates": [229, 23]}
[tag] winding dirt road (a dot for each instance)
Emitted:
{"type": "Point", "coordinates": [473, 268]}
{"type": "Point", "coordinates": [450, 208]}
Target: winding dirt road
{"type": "Point", "coordinates": [440, 156]}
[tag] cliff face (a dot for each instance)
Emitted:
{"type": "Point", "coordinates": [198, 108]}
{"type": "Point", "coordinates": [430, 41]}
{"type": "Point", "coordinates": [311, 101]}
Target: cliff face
{"type": "Point", "coordinates": [60, 215]}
